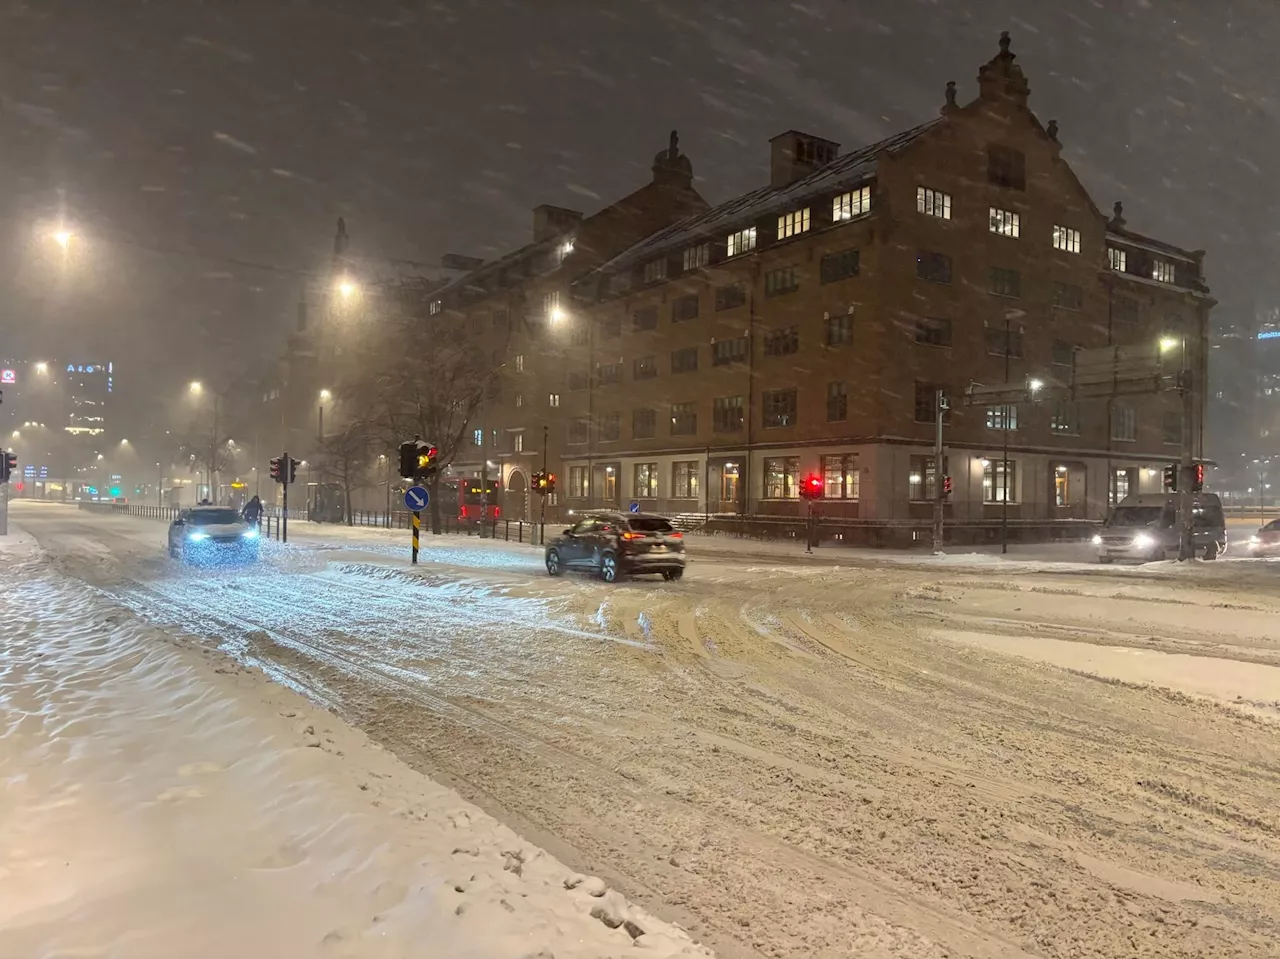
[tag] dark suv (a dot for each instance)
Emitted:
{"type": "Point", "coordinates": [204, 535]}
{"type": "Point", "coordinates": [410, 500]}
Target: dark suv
{"type": "Point", "coordinates": [614, 544]}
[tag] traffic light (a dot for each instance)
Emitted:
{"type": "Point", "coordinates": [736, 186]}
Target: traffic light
{"type": "Point", "coordinates": [275, 469]}
{"type": "Point", "coordinates": [1171, 478]}
{"type": "Point", "coordinates": [8, 464]}
{"type": "Point", "coordinates": [812, 487]}
{"type": "Point", "coordinates": [418, 460]}
{"type": "Point", "coordinates": [426, 461]}
{"type": "Point", "coordinates": [550, 482]}
{"type": "Point", "coordinates": [409, 459]}
{"type": "Point", "coordinates": [291, 473]}
{"type": "Point", "coordinates": [1197, 478]}
{"type": "Point", "coordinates": [946, 486]}
{"type": "Point", "coordinates": [537, 483]}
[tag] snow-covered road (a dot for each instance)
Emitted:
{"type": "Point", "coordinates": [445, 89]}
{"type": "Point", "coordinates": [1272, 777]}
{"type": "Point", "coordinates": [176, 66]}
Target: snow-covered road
{"type": "Point", "coordinates": [794, 758]}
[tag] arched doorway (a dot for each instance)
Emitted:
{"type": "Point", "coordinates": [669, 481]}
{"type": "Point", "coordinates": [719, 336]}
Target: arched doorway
{"type": "Point", "coordinates": [516, 498]}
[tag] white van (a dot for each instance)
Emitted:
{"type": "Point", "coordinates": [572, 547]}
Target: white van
{"type": "Point", "coordinates": [1146, 527]}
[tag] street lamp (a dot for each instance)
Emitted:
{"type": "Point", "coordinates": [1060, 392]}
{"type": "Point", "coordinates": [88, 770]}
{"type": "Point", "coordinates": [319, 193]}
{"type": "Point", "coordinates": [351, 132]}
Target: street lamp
{"type": "Point", "coordinates": [346, 287]}
{"type": "Point", "coordinates": [325, 396]}
{"type": "Point", "coordinates": [196, 387]}
{"type": "Point", "coordinates": [42, 369]}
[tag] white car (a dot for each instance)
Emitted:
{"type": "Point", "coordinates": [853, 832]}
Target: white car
{"type": "Point", "coordinates": [212, 534]}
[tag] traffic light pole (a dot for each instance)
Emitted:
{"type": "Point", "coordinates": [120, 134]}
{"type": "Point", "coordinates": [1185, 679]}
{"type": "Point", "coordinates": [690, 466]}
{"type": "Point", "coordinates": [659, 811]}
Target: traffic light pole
{"type": "Point", "coordinates": [939, 481]}
{"type": "Point", "coordinates": [1187, 548]}
{"type": "Point", "coordinates": [542, 520]}
{"type": "Point", "coordinates": [417, 530]}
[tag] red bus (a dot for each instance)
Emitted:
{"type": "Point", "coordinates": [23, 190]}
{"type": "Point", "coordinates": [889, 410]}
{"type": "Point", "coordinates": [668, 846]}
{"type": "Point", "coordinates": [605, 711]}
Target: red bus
{"type": "Point", "coordinates": [469, 499]}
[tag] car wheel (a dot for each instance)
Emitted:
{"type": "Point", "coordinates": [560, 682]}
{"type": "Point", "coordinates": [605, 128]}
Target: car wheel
{"type": "Point", "coordinates": [553, 563]}
{"type": "Point", "coordinates": [1211, 551]}
{"type": "Point", "coordinates": [1104, 560]}
{"type": "Point", "coordinates": [677, 573]}
{"type": "Point", "coordinates": [609, 568]}
{"type": "Point", "coordinates": [666, 575]}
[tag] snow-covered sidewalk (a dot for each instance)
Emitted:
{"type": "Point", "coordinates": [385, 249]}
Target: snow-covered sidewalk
{"type": "Point", "coordinates": [160, 801]}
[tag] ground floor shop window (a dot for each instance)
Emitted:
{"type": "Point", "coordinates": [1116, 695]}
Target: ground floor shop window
{"type": "Point", "coordinates": [840, 476]}
{"type": "Point", "coordinates": [999, 481]}
{"type": "Point", "coordinates": [578, 482]}
{"type": "Point", "coordinates": [684, 479]}
{"type": "Point", "coordinates": [922, 481]}
{"type": "Point", "coordinates": [646, 476]}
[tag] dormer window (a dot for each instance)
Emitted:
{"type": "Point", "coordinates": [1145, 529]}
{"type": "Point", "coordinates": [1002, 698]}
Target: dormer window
{"type": "Point", "coordinates": [789, 224]}
{"type": "Point", "coordinates": [848, 205]}
{"type": "Point", "coordinates": [1162, 270]}
{"type": "Point", "coordinates": [744, 241]}
{"type": "Point", "coordinates": [1117, 259]}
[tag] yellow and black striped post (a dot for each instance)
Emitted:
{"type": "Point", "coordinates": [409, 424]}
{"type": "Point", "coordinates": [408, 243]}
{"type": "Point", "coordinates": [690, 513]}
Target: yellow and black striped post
{"type": "Point", "coordinates": [417, 526]}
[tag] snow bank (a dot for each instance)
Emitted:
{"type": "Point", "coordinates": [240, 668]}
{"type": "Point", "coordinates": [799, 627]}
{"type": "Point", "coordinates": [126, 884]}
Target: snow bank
{"type": "Point", "coordinates": [159, 801]}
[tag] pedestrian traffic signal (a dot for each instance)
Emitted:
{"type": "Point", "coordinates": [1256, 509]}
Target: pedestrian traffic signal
{"type": "Point", "coordinates": [426, 461]}
{"type": "Point", "coordinates": [1197, 478]}
{"type": "Point", "coordinates": [418, 460]}
{"type": "Point", "coordinates": [812, 487]}
{"type": "Point", "coordinates": [542, 483]}
{"type": "Point", "coordinates": [1171, 478]}
{"type": "Point", "coordinates": [946, 486]}
{"type": "Point", "coordinates": [549, 481]}
{"type": "Point", "coordinates": [275, 470]}
{"type": "Point", "coordinates": [8, 463]}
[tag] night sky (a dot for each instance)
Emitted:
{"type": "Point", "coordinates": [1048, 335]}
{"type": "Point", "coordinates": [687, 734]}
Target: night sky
{"type": "Point", "coordinates": [243, 129]}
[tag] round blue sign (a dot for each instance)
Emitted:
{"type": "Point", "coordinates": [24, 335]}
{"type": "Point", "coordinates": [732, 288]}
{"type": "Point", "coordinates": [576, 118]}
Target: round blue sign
{"type": "Point", "coordinates": [416, 498]}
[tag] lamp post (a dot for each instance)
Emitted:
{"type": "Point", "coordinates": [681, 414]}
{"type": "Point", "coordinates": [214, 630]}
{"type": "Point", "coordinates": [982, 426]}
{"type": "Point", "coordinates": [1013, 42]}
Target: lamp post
{"type": "Point", "coordinates": [197, 389]}
{"type": "Point", "coordinates": [325, 396]}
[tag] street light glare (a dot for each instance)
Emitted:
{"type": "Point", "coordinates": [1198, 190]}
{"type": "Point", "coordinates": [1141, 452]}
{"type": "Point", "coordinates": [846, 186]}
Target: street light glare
{"type": "Point", "coordinates": [325, 395]}
{"type": "Point", "coordinates": [1035, 385]}
{"type": "Point", "coordinates": [347, 287]}
{"type": "Point", "coordinates": [197, 387]}
{"type": "Point", "coordinates": [63, 237]}
{"type": "Point", "coordinates": [42, 368]}
{"type": "Point", "coordinates": [1168, 343]}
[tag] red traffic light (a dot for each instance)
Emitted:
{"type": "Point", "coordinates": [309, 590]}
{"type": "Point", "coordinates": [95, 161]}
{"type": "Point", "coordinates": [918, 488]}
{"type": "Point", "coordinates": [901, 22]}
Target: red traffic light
{"type": "Point", "coordinates": [812, 487]}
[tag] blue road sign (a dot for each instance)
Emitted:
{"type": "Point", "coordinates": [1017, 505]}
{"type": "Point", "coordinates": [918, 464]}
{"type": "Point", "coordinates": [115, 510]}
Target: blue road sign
{"type": "Point", "coordinates": [634, 507]}
{"type": "Point", "coordinates": [416, 497]}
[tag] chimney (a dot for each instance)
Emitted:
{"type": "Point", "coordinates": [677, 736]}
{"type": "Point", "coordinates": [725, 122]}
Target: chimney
{"type": "Point", "coordinates": [671, 167]}
{"type": "Point", "coordinates": [793, 155]}
{"type": "Point", "coordinates": [1002, 79]}
{"type": "Point", "coordinates": [549, 221]}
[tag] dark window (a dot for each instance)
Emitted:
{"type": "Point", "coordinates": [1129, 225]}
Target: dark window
{"type": "Point", "coordinates": [477, 324]}
{"type": "Point", "coordinates": [1064, 418]}
{"type": "Point", "coordinates": [1124, 311]}
{"type": "Point", "coordinates": [684, 308]}
{"type": "Point", "coordinates": [934, 267]}
{"type": "Point", "coordinates": [578, 432]}
{"type": "Point", "coordinates": [837, 402]}
{"type": "Point", "coordinates": [927, 403]}
{"type": "Point", "coordinates": [642, 424]}
{"type": "Point", "coordinates": [577, 381]}
{"type": "Point", "coordinates": [727, 297]}
{"type": "Point", "coordinates": [1005, 282]}
{"type": "Point", "coordinates": [611, 327]}
{"type": "Point", "coordinates": [1007, 167]}
{"type": "Point", "coordinates": [777, 282]}
{"type": "Point", "coordinates": [726, 414]}
{"type": "Point", "coordinates": [1171, 424]}
{"type": "Point", "coordinates": [501, 321]}
{"type": "Point", "coordinates": [779, 407]}
{"type": "Point", "coordinates": [581, 335]}
{"type": "Point", "coordinates": [782, 342]}
{"type": "Point", "coordinates": [1064, 353]}
{"type": "Point", "coordinates": [839, 329]}
{"type": "Point", "coordinates": [644, 367]}
{"type": "Point", "coordinates": [933, 330]}
{"type": "Point", "coordinates": [684, 419]}
{"type": "Point", "coordinates": [610, 427]}
{"type": "Point", "coordinates": [922, 478]}
{"type": "Point", "coordinates": [1003, 342]}
{"type": "Point", "coordinates": [685, 360]}
{"type": "Point", "coordinates": [646, 319]}
{"type": "Point", "coordinates": [839, 266]}
{"type": "Point", "coordinates": [608, 373]}
{"type": "Point", "coordinates": [1068, 296]}
{"type": "Point", "coordinates": [729, 351]}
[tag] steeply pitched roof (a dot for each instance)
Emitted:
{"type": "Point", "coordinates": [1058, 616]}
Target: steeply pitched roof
{"type": "Point", "coordinates": [845, 171]}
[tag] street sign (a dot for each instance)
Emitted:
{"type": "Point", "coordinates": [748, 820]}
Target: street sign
{"type": "Point", "coordinates": [416, 498]}
{"type": "Point", "coordinates": [634, 507]}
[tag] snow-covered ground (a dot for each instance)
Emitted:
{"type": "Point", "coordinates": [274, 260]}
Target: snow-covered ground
{"type": "Point", "coordinates": [160, 801]}
{"type": "Point", "coordinates": [789, 756]}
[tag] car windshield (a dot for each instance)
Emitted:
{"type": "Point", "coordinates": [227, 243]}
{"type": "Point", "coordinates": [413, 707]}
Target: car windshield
{"type": "Point", "coordinates": [1136, 516]}
{"type": "Point", "coordinates": [650, 524]}
{"type": "Point", "coordinates": [213, 517]}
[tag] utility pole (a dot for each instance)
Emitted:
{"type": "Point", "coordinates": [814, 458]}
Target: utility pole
{"type": "Point", "coordinates": [1186, 386]}
{"type": "Point", "coordinates": [1004, 464]}
{"type": "Point", "coordinates": [940, 409]}
{"type": "Point", "coordinates": [484, 483]}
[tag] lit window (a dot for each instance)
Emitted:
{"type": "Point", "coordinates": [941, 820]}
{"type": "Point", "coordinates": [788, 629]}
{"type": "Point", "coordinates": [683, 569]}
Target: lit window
{"type": "Point", "coordinates": [840, 476]}
{"type": "Point", "coordinates": [933, 202]}
{"type": "Point", "coordinates": [1006, 223]}
{"type": "Point", "coordinates": [519, 442]}
{"type": "Point", "coordinates": [782, 477]}
{"type": "Point", "coordinates": [564, 249]}
{"type": "Point", "coordinates": [1066, 239]}
{"type": "Point", "coordinates": [922, 480]}
{"type": "Point", "coordinates": [851, 204]}
{"type": "Point", "coordinates": [1065, 418]}
{"type": "Point", "coordinates": [999, 481]}
{"type": "Point", "coordinates": [551, 305]}
{"type": "Point", "coordinates": [518, 362]}
{"type": "Point", "coordinates": [655, 270]}
{"type": "Point", "coordinates": [477, 437]}
{"type": "Point", "coordinates": [646, 480]}
{"type": "Point", "coordinates": [553, 399]}
{"type": "Point", "coordinates": [744, 241]}
{"type": "Point", "coordinates": [696, 256]}
{"type": "Point", "coordinates": [435, 307]}
{"type": "Point", "coordinates": [1002, 417]}
{"type": "Point", "coordinates": [1162, 270]}
{"type": "Point", "coordinates": [1117, 259]}
{"type": "Point", "coordinates": [789, 224]}
{"type": "Point", "coordinates": [519, 400]}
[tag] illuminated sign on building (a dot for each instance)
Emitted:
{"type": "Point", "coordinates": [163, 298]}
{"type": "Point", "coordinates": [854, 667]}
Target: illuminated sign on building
{"type": "Point", "coordinates": [8, 376]}
{"type": "Point", "coordinates": [1264, 335]}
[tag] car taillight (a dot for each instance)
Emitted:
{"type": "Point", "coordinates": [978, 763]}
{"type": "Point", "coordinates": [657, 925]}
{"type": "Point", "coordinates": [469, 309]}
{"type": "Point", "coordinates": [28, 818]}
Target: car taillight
{"type": "Point", "coordinates": [631, 536]}
{"type": "Point", "coordinates": [495, 512]}
{"type": "Point", "coordinates": [463, 514]}
{"type": "Point", "coordinates": [676, 534]}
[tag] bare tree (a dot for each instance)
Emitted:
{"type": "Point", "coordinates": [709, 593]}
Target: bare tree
{"type": "Point", "coordinates": [207, 450]}
{"type": "Point", "coordinates": [431, 390]}
{"type": "Point", "coordinates": [344, 460]}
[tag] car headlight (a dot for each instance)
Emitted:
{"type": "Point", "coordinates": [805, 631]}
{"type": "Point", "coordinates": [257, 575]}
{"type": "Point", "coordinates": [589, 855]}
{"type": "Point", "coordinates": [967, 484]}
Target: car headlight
{"type": "Point", "coordinates": [1143, 540]}
{"type": "Point", "coordinates": [1097, 540]}
{"type": "Point", "coordinates": [196, 536]}
{"type": "Point", "coordinates": [250, 534]}
{"type": "Point", "coordinates": [1254, 541]}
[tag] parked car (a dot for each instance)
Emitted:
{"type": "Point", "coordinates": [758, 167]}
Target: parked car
{"type": "Point", "coordinates": [1146, 527]}
{"type": "Point", "coordinates": [1266, 541]}
{"type": "Point", "coordinates": [212, 534]}
{"type": "Point", "coordinates": [615, 544]}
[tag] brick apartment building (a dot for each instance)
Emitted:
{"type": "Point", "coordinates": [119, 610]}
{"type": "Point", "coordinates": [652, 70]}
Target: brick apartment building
{"type": "Point", "coordinates": [804, 328]}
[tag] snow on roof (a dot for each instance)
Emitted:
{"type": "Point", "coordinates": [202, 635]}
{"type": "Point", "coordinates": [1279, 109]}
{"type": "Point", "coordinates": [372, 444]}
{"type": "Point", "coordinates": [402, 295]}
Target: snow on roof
{"type": "Point", "coordinates": [845, 171]}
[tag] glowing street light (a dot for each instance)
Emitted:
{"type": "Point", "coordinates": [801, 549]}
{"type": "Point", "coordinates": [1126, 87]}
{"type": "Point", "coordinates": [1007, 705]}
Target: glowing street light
{"type": "Point", "coordinates": [325, 395]}
{"type": "Point", "coordinates": [347, 287]}
{"type": "Point", "coordinates": [196, 387]}
{"type": "Point", "coordinates": [1035, 385]}
{"type": "Point", "coordinates": [1168, 343]}
{"type": "Point", "coordinates": [42, 369]}
{"type": "Point", "coordinates": [63, 237]}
